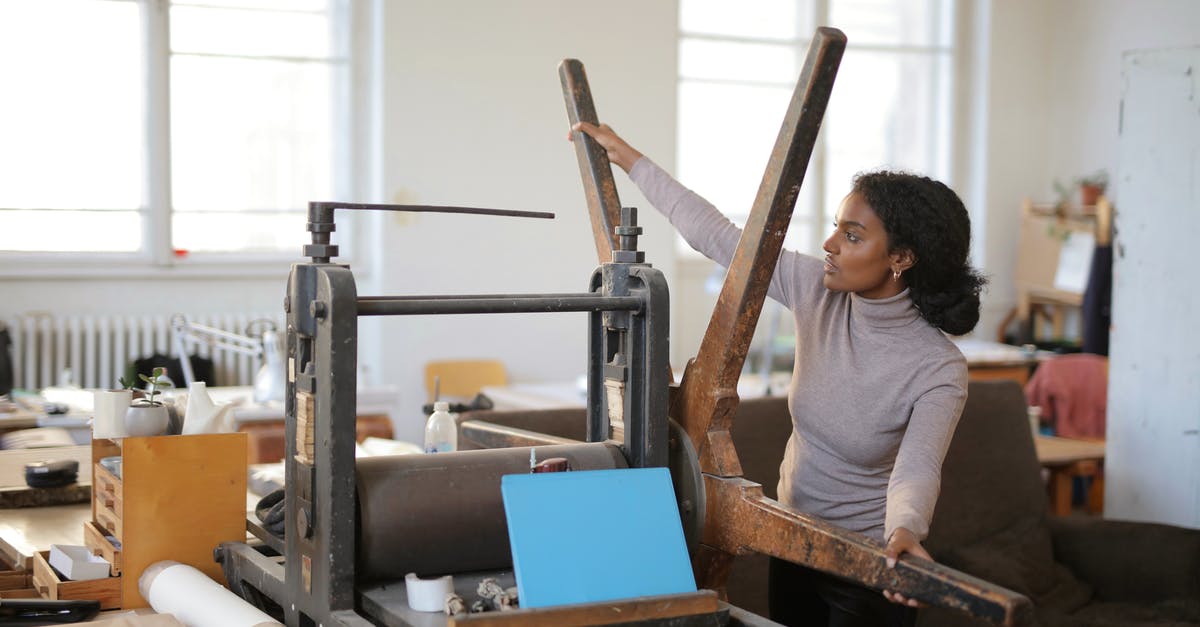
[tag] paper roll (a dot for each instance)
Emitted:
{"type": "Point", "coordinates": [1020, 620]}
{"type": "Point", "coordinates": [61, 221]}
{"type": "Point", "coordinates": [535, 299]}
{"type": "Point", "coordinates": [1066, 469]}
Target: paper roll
{"type": "Point", "coordinates": [109, 413]}
{"type": "Point", "coordinates": [196, 600]}
{"type": "Point", "coordinates": [428, 595]}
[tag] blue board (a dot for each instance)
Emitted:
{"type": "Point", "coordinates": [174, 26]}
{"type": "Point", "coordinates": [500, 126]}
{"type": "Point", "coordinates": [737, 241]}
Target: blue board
{"type": "Point", "coordinates": [595, 535]}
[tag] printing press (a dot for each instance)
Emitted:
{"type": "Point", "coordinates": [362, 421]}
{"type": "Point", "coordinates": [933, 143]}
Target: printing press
{"type": "Point", "coordinates": [354, 530]}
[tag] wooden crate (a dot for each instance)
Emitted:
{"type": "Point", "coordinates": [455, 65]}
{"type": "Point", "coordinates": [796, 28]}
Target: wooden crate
{"type": "Point", "coordinates": [178, 497]}
{"type": "Point", "coordinates": [50, 586]}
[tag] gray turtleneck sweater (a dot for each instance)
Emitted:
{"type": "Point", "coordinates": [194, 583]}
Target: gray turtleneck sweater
{"type": "Point", "coordinates": [876, 391]}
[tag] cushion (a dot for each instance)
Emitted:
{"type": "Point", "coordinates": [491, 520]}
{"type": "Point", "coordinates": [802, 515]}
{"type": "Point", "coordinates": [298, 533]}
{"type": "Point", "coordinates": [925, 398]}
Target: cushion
{"type": "Point", "coordinates": [1021, 558]}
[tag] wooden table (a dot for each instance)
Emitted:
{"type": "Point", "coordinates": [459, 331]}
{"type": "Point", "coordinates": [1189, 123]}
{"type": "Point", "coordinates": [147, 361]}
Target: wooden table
{"type": "Point", "coordinates": [1066, 459]}
{"type": "Point", "coordinates": [993, 360]}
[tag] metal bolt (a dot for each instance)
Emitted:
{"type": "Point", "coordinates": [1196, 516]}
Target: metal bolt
{"type": "Point", "coordinates": [304, 523]}
{"type": "Point", "coordinates": [317, 309]}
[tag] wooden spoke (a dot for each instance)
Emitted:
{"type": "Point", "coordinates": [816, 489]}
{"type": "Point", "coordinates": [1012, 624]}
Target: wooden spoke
{"type": "Point", "coordinates": [598, 185]}
{"type": "Point", "coordinates": [738, 518]}
{"type": "Point", "coordinates": [708, 389]}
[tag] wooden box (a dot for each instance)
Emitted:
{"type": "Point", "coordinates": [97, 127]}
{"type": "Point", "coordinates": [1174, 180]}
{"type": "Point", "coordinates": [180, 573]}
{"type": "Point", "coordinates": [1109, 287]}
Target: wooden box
{"type": "Point", "coordinates": [107, 591]}
{"type": "Point", "coordinates": [178, 497]}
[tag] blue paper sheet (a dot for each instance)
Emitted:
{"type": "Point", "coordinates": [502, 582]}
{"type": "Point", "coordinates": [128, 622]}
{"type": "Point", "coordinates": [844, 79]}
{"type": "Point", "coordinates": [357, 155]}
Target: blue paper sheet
{"type": "Point", "coordinates": [597, 535]}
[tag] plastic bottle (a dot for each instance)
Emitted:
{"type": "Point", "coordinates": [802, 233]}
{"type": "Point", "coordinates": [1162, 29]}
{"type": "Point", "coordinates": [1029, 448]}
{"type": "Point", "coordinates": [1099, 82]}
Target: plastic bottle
{"type": "Point", "coordinates": [441, 432]}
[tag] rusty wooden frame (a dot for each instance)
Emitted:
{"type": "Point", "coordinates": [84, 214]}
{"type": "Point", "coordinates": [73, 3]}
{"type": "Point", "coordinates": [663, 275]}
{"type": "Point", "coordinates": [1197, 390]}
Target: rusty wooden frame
{"type": "Point", "coordinates": [738, 518]}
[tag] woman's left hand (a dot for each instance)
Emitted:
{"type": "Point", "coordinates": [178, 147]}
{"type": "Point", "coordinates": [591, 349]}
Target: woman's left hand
{"type": "Point", "coordinates": [903, 541]}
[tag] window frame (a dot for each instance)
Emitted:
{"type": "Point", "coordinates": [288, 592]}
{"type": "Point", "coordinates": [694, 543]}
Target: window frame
{"type": "Point", "coordinates": [354, 162]}
{"type": "Point", "coordinates": [815, 185]}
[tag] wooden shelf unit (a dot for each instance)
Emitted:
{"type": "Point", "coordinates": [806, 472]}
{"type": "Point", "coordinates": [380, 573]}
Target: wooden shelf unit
{"type": "Point", "coordinates": [1044, 228]}
{"type": "Point", "coordinates": [178, 497]}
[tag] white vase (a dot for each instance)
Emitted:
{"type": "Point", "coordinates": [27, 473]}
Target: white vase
{"type": "Point", "coordinates": [108, 415]}
{"type": "Point", "coordinates": [144, 420]}
{"type": "Point", "coordinates": [202, 413]}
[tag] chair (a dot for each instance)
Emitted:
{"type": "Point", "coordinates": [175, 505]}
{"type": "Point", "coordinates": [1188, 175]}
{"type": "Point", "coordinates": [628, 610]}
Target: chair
{"type": "Point", "coordinates": [992, 521]}
{"type": "Point", "coordinates": [462, 378]}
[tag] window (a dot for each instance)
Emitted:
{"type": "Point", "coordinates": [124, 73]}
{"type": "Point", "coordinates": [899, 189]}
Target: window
{"type": "Point", "coordinates": [891, 102]}
{"type": "Point", "coordinates": [169, 133]}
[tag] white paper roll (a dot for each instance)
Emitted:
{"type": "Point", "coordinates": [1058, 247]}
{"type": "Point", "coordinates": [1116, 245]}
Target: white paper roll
{"type": "Point", "coordinates": [196, 600]}
{"type": "Point", "coordinates": [428, 595]}
{"type": "Point", "coordinates": [109, 413]}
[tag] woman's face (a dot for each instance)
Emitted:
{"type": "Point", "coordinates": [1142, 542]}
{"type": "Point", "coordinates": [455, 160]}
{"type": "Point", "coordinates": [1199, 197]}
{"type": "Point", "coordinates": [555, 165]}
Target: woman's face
{"type": "Point", "coordinates": [857, 258]}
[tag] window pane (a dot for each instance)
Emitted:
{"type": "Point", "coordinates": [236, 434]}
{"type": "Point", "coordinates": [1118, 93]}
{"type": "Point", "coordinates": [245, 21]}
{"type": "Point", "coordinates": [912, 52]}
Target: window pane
{"type": "Point", "coordinates": [723, 60]}
{"type": "Point", "coordinates": [71, 116]}
{"type": "Point", "coordinates": [726, 133]}
{"type": "Point", "coordinates": [249, 134]}
{"type": "Point", "coordinates": [887, 110]}
{"type": "Point", "coordinates": [249, 32]}
{"type": "Point", "coordinates": [893, 22]}
{"type": "Point", "coordinates": [276, 5]}
{"type": "Point", "coordinates": [760, 19]}
{"type": "Point", "coordinates": [70, 231]}
{"type": "Point", "coordinates": [241, 232]}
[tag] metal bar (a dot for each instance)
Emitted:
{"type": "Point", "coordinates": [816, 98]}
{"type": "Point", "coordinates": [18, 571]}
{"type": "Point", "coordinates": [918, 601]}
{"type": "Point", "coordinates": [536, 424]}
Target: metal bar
{"type": "Point", "coordinates": [473, 305]}
{"type": "Point", "coordinates": [491, 435]}
{"type": "Point", "coordinates": [599, 188]}
{"type": "Point", "coordinates": [409, 297]}
{"type": "Point", "coordinates": [763, 525]}
{"type": "Point", "coordinates": [359, 206]}
{"type": "Point", "coordinates": [708, 390]}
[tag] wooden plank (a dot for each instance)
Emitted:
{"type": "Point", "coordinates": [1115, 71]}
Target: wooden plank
{"type": "Point", "coordinates": [765, 526]}
{"type": "Point", "coordinates": [183, 496]}
{"type": "Point", "coordinates": [606, 613]}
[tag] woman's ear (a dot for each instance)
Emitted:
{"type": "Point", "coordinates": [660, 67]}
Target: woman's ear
{"type": "Point", "coordinates": [903, 259]}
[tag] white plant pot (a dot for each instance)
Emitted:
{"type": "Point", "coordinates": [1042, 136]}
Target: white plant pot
{"type": "Point", "coordinates": [144, 420]}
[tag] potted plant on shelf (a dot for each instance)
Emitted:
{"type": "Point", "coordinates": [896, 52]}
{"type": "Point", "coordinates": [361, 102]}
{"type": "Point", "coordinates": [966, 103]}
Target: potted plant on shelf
{"type": "Point", "coordinates": [147, 415]}
{"type": "Point", "coordinates": [1092, 186]}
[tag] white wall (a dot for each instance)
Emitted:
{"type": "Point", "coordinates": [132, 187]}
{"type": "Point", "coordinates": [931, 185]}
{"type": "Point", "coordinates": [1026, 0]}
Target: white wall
{"type": "Point", "coordinates": [474, 115]}
{"type": "Point", "coordinates": [1152, 468]}
{"type": "Point", "coordinates": [1054, 81]}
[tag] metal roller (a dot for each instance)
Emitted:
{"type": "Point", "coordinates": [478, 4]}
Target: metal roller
{"type": "Point", "coordinates": [443, 513]}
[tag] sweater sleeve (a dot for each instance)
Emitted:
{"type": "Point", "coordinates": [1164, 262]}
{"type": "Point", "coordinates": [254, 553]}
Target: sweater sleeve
{"type": "Point", "coordinates": [916, 477]}
{"type": "Point", "coordinates": [711, 234]}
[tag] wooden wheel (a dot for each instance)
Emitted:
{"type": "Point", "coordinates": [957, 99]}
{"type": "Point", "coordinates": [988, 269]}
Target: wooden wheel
{"type": "Point", "coordinates": [738, 519]}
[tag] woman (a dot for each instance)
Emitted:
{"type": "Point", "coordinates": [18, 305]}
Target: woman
{"type": "Point", "coordinates": [877, 388]}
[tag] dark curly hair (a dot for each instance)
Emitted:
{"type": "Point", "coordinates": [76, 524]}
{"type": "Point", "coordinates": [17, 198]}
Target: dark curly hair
{"type": "Point", "coordinates": [926, 217]}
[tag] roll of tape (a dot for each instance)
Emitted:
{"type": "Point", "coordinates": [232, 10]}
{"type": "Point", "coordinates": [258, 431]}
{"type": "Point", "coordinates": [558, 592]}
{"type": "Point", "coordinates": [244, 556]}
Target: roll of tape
{"type": "Point", "coordinates": [428, 595]}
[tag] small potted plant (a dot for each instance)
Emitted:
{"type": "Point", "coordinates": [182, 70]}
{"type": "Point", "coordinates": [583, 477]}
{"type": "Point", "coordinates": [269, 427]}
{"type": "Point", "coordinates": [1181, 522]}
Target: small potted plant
{"type": "Point", "coordinates": [147, 415]}
{"type": "Point", "coordinates": [1092, 186]}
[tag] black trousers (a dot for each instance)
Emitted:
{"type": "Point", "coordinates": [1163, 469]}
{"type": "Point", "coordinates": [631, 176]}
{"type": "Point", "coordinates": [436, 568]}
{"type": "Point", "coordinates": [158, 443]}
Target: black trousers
{"type": "Point", "coordinates": [800, 596]}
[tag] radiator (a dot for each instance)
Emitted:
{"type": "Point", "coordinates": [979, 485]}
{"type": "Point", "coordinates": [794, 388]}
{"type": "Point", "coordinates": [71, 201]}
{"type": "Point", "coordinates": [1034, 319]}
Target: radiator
{"type": "Point", "coordinates": [95, 351]}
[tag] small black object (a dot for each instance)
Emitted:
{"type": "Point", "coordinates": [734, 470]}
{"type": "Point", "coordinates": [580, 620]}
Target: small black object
{"type": "Point", "coordinates": [481, 401]}
{"type": "Point", "coordinates": [45, 612]}
{"type": "Point", "coordinates": [51, 474]}
{"type": "Point", "coordinates": [270, 510]}
{"type": "Point", "coordinates": [55, 409]}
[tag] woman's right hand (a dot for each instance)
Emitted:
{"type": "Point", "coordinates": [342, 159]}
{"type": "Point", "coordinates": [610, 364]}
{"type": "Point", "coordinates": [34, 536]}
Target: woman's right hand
{"type": "Point", "coordinates": [619, 151]}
